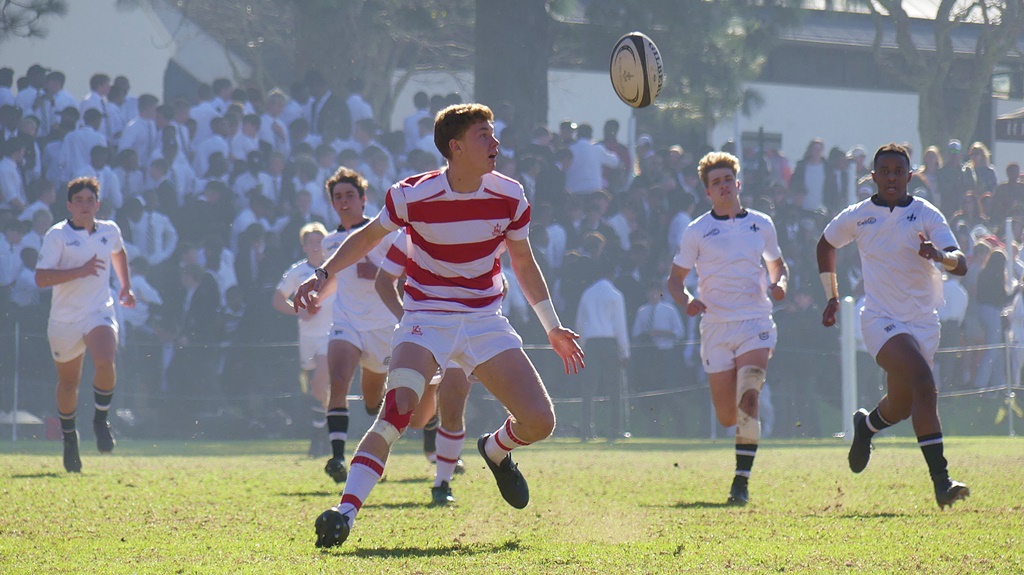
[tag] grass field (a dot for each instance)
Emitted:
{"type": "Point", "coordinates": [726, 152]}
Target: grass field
{"type": "Point", "coordinates": [638, 506]}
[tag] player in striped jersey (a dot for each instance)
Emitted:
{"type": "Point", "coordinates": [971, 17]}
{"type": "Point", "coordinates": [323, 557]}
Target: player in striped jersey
{"type": "Point", "coordinates": [451, 393]}
{"type": "Point", "coordinates": [459, 221]}
{"type": "Point", "coordinates": [314, 331]}
{"type": "Point", "coordinates": [900, 238]}
{"type": "Point", "coordinates": [75, 259]}
{"type": "Point", "coordinates": [737, 333]}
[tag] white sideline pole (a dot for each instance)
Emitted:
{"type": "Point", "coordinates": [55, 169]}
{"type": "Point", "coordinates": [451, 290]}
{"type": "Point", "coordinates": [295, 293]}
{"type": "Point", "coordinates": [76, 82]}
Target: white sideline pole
{"type": "Point", "coordinates": [848, 362]}
{"type": "Point", "coordinates": [17, 369]}
{"type": "Point", "coordinates": [1008, 354]}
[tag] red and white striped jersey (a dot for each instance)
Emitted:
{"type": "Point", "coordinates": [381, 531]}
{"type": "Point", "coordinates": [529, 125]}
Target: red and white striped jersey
{"type": "Point", "coordinates": [454, 239]}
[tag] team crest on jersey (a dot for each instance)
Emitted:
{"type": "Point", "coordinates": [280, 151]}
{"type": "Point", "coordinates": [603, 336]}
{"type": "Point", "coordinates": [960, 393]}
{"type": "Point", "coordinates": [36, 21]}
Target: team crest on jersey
{"type": "Point", "coordinates": [763, 336]}
{"type": "Point", "coordinates": [713, 232]}
{"type": "Point", "coordinates": [497, 230]}
{"type": "Point", "coordinates": [416, 330]}
{"type": "Point", "coordinates": [103, 240]}
{"type": "Point", "coordinates": [387, 360]}
{"type": "Point", "coordinates": [754, 228]}
{"type": "Point", "coordinates": [911, 217]}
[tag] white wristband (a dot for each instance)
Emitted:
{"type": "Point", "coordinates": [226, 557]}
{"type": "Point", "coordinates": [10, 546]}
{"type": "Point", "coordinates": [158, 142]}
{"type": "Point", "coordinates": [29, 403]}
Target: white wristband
{"type": "Point", "coordinates": [949, 261]}
{"type": "Point", "coordinates": [830, 282]}
{"type": "Point", "coordinates": [545, 311]}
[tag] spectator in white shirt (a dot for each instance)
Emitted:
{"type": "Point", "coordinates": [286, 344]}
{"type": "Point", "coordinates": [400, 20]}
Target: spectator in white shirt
{"type": "Point", "coordinates": [215, 143]}
{"type": "Point", "coordinates": [253, 179]}
{"type": "Point", "coordinates": [116, 121]}
{"type": "Point", "coordinates": [41, 222]}
{"type": "Point", "coordinates": [584, 175]}
{"type": "Point", "coordinates": [24, 291]}
{"type": "Point", "coordinates": [222, 92]}
{"type": "Point", "coordinates": [358, 107]}
{"type": "Point", "coordinates": [59, 98]}
{"type": "Point", "coordinates": [601, 321]}
{"type": "Point", "coordinates": [12, 185]}
{"type": "Point", "coordinates": [6, 83]}
{"type": "Point", "coordinates": [99, 87]}
{"type": "Point", "coordinates": [43, 194]}
{"type": "Point", "coordinates": [411, 123]}
{"type": "Point", "coordinates": [247, 140]}
{"type": "Point", "coordinates": [10, 252]}
{"type": "Point", "coordinates": [203, 113]}
{"type": "Point", "coordinates": [130, 106]}
{"type": "Point", "coordinates": [152, 233]}
{"type": "Point", "coordinates": [683, 217]}
{"type": "Point", "coordinates": [113, 198]}
{"type": "Point", "coordinates": [141, 134]}
{"type": "Point", "coordinates": [273, 129]}
{"type": "Point", "coordinates": [657, 329]}
{"type": "Point", "coordinates": [78, 145]}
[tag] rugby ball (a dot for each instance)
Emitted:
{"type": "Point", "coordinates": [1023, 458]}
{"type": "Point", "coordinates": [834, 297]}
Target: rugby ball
{"type": "Point", "coordinates": [636, 70]}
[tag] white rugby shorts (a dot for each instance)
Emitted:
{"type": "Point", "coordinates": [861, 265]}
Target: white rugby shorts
{"type": "Point", "coordinates": [878, 329]}
{"type": "Point", "coordinates": [721, 343]}
{"type": "Point", "coordinates": [466, 338]}
{"type": "Point", "coordinates": [311, 346]}
{"type": "Point", "coordinates": [375, 344]}
{"type": "Point", "coordinates": [67, 339]}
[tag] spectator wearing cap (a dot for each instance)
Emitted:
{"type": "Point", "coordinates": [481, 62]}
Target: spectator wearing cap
{"type": "Point", "coordinates": [858, 155]}
{"type": "Point", "coordinates": [953, 181]}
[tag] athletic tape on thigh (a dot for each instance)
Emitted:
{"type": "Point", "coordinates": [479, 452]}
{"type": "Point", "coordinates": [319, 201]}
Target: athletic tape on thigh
{"type": "Point", "coordinates": [405, 377]}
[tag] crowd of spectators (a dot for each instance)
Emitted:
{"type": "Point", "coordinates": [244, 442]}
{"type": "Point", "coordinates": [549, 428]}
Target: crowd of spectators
{"type": "Point", "coordinates": [212, 191]}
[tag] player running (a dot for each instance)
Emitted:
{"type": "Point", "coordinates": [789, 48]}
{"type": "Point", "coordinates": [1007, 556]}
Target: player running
{"type": "Point", "coordinates": [737, 333]}
{"type": "Point", "coordinates": [898, 237]}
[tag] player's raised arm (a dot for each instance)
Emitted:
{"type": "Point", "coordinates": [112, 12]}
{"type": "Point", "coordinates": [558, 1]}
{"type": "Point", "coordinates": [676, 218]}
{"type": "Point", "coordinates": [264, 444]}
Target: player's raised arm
{"type": "Point", "coordinates": [354, 248]}
{"type": "Point", "coordinates": [531, 281]}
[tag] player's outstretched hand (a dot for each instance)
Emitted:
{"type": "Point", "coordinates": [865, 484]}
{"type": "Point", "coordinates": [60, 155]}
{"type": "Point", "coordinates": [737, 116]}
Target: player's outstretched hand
{"type": "Point", "coordinates": [928, 250]}
{"type": "Point", "coordinates": [778, 292]}
{"type": "Point", "coordinates": [127, 298]}
{"type": "Point", "coordinates": [306, 296]}
{"type": "Point", "coordinates": [695, 307]}
{"type": "Point", "coordinates": [563, 341]}
{"type": "Point", "coordinates": [828, 317]}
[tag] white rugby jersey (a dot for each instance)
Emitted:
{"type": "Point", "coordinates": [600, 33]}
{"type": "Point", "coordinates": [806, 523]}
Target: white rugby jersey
{"type": "Point", "coordinates": [64, 248]}
{"type": "Point", "coordinates": [455, 240]}
{"type": "Point", "coordinates": [898, 283]}
{"type": "Point", "coordinates": [727, 254]}
{"type": "Point", "coordinates": [320, 324]}
{"type": "Point", "coordinates": [356, 301]}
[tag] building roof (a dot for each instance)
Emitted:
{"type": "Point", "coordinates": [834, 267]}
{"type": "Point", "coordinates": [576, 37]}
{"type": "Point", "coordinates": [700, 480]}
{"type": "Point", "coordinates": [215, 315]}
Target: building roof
{"type": "Point", "coordinates": [858, 30]}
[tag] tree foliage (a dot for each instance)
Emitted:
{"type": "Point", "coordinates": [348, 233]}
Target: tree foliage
{"type": "Point", "coordinates": [951, 87]}
{"type": "Point", "coordinates": [709, 49]}
{"type": "Point", "coordinates": [22, 19]}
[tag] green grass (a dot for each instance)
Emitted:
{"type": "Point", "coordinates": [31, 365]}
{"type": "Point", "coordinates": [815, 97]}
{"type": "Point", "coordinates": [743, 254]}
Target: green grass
{"type": "Point", "coordinates": [639, 506]}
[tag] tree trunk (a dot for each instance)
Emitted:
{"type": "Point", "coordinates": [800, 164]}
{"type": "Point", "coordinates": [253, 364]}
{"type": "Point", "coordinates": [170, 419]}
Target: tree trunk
{"type": "Point", "coordinates": [513, 43]}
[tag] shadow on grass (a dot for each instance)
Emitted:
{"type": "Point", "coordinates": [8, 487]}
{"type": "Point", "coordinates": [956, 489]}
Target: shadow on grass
{"type": "Point", "coordinates": [421, 479]}
{"type": "Point", "coordinates": [37, 475]}
{"type": "Point", "coordinates": [879, 515]}
{"type": "Point", "coordinates": [301, 494]}
{"type": "Point", "coordinates": [413, 552]}
{"type": "Point", "coordinates": [704, 505]}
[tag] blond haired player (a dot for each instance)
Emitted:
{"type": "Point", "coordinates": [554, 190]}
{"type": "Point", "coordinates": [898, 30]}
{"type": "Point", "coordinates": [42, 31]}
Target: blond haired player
{"type": "Point", "coordinates": [314, 330]}
{"type": "Point", "coordinates": [726, 246]}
